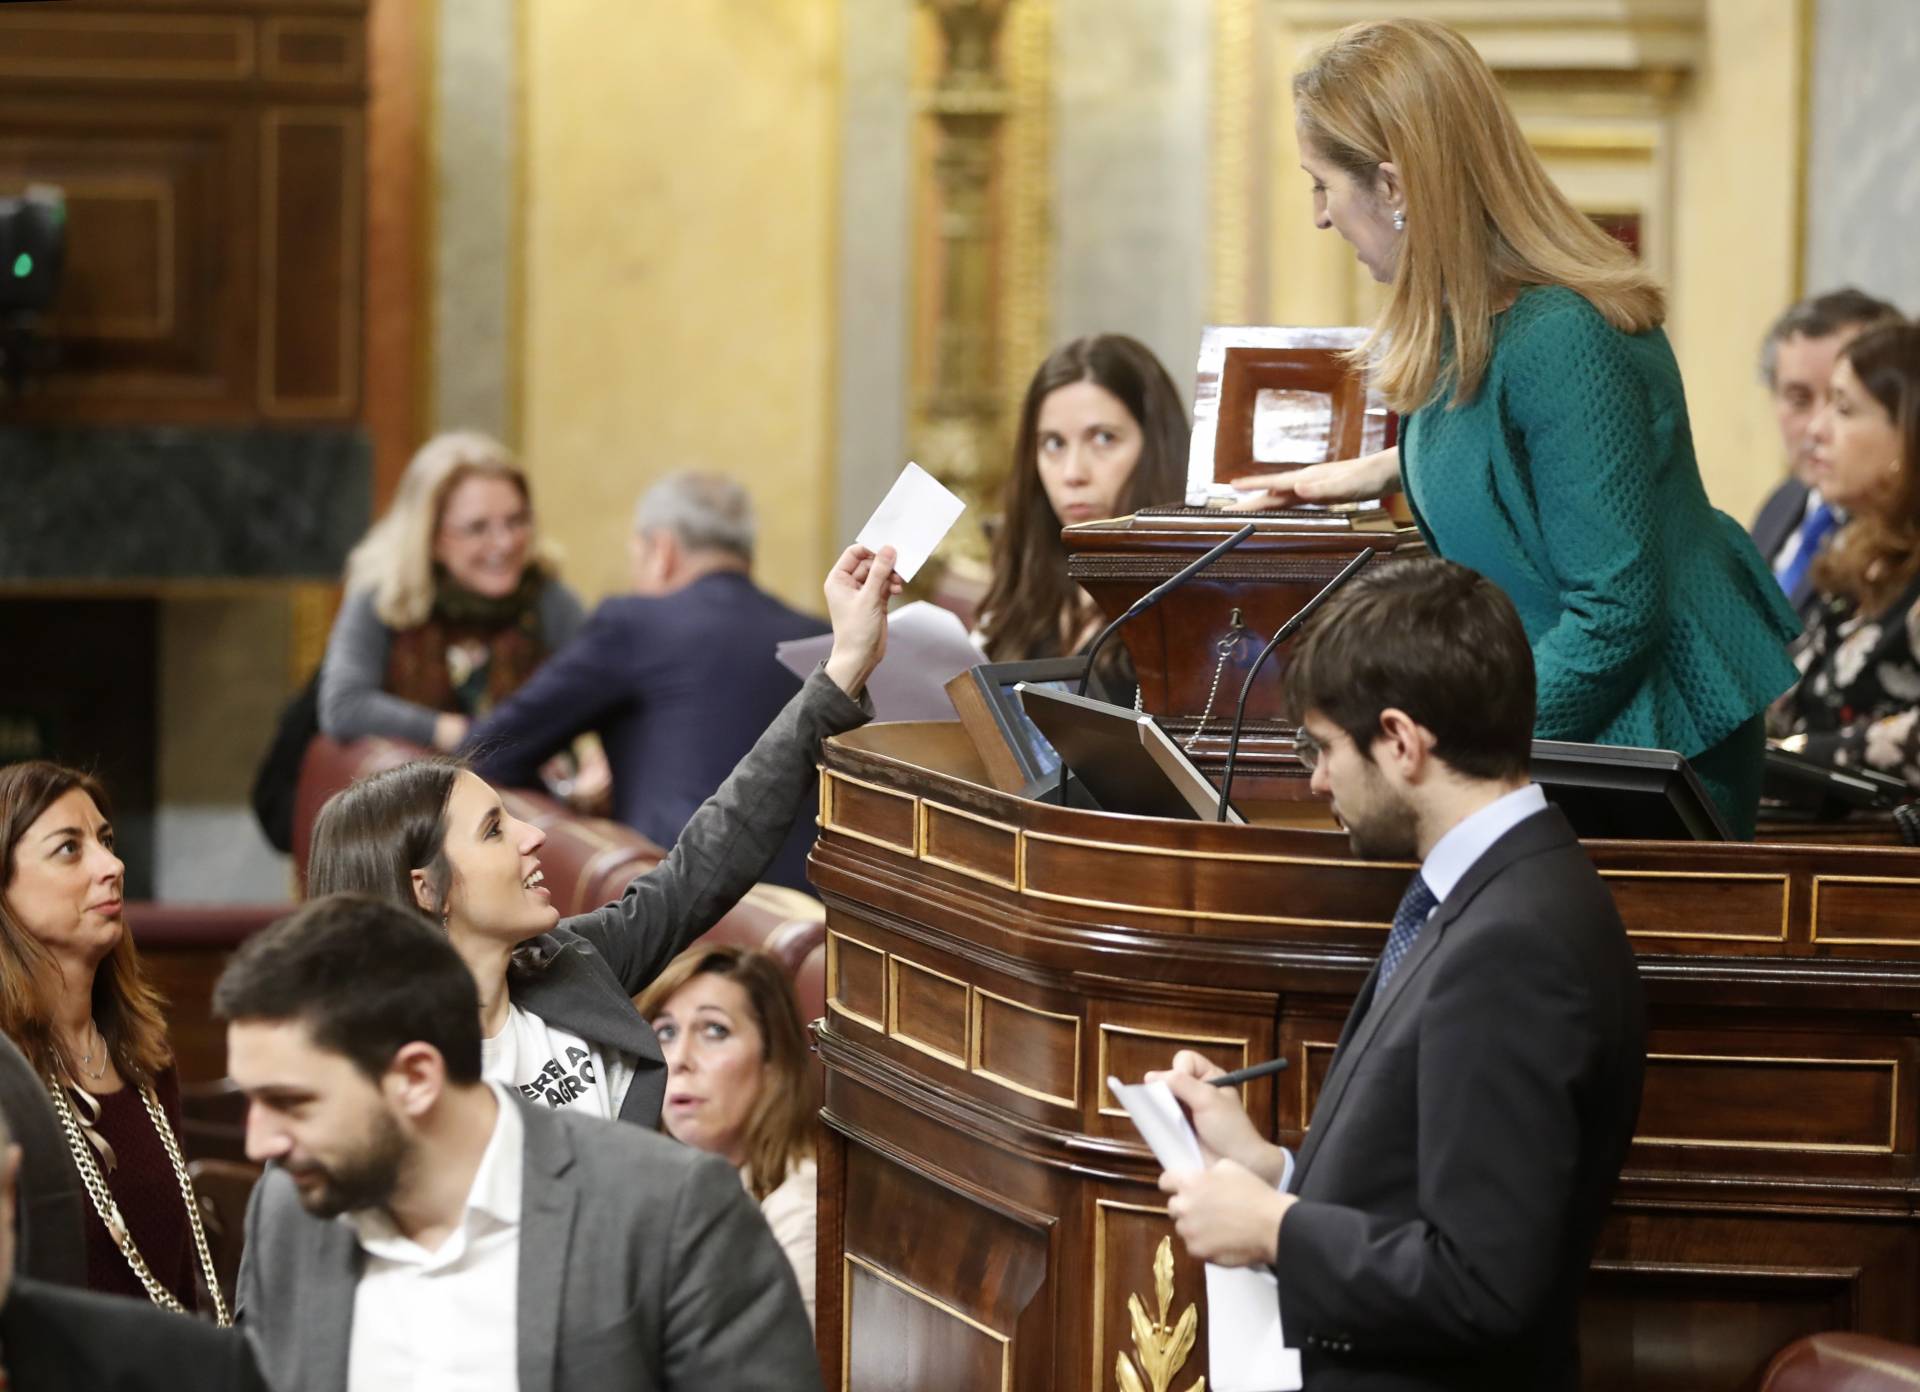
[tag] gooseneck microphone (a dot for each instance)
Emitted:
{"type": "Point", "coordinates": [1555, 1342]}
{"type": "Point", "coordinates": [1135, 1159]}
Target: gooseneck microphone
{"type": "Point", "coordinates": [1139, 607]}
{"type": "Point", "coordinates": [1158, 593]}
{"type": "Point", "coordinates": [1284, 632]}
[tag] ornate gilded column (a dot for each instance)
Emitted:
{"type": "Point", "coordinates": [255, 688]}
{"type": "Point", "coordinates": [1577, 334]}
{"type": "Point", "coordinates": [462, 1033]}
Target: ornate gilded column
{"type": "Point", "coordinates": [956, 427]}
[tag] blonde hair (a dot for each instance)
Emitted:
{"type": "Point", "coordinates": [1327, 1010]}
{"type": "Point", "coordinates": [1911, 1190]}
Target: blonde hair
{"type": "Point", "coordinates": [395, 558]}
{"type": "Point", "coordinates": [1483, 220]}
{"type": "Point", "coordinates": [779, 1133]}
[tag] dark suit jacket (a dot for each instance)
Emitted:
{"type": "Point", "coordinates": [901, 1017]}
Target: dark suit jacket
{"type": "Point", "coordinates": [50, 1208]}
{"type": "Point", "coordinates": [679, 687]}
{"type": "Point", "coordinates": [1779, 518]}
{"type": "Point", "coordinates": [54, 1339]}
{"type": "Point", "coordinates": [1468, 1136]}
{"type": "Point", "coordinates": [644, 1266]}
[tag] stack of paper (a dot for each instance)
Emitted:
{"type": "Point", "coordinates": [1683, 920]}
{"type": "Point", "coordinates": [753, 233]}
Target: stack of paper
{"type": "Point", "coordinates": [1246, 1351]}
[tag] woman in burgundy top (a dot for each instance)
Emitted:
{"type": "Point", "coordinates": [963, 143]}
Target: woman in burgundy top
{"type": "Point", "coordinates": [73, 998]}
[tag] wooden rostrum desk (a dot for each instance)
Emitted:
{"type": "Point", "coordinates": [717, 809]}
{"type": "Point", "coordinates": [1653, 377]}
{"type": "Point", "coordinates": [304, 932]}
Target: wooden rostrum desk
{"type": "Point", "coordinates": [986, 1211]}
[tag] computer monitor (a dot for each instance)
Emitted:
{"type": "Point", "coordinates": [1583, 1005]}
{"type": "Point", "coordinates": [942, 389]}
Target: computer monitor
{"type": "Point", "coordinates": [1122, 758]}
{"type": "Point", "coordinates": [1615, 792]}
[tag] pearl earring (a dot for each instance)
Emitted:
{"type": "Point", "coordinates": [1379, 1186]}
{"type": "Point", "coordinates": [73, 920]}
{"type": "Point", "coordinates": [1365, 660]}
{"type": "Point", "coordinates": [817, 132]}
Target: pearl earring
{"type": "Point", "coordinates": [1399, 221]}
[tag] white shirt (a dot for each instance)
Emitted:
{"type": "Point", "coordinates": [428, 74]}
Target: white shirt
{"type": "Point", "coordinates": [445, 1320]}
{"type": "Point", "coordinates": [550, 1065]}
{"type": "Point", "coordinates": [1471, 837]}
{"type": "Point", "coordinates": [789, 1211]}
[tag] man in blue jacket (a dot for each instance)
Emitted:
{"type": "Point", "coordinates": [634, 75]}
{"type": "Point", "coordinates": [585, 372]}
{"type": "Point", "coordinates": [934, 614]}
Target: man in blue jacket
{"type": "Point", "coordinates": [678, 678]}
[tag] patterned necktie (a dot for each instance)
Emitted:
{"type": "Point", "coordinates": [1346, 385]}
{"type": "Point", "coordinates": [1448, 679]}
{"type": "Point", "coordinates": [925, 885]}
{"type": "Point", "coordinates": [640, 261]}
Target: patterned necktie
{"type": "Point", "coordinates": [1415, 905]}
{"type": "Point", "coordinates": [1813, 535]}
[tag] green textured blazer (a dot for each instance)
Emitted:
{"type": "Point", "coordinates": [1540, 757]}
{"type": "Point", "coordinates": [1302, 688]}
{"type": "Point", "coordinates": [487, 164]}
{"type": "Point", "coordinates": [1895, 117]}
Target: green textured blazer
{"type": "Point", "coordinates": [1570, 481]}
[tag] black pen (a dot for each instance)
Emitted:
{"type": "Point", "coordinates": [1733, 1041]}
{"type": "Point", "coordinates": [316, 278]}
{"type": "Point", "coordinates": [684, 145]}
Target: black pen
{"type": "Point", "coordinates": [1247, 1075]}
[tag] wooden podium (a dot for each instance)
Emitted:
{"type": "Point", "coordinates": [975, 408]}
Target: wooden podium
{"type": "Point", "coordinates": [989, 1220]}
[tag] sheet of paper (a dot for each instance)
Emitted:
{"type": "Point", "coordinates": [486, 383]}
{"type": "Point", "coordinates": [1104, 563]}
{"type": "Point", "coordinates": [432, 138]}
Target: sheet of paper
{"type": "Point", "coordinates": [1246, 1350]}
{"type": "Point", "coordinates": [916, 514]}
{"type": "Point", "coordinates": [927, 647]}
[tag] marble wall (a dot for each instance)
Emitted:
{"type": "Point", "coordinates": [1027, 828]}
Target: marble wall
{"type": "Point", "coordinates": [1863, 182]}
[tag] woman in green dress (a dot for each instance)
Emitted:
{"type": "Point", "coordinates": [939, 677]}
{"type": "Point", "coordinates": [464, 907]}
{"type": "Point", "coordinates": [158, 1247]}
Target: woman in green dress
{"type": "Point", "coordinates": [1544, 439]}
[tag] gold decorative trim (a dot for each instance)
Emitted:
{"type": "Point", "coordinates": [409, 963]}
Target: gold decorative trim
{"type": "Point", "coordinates": [834, 941]}
{"type": "Point", "coordinates": [894, 963]}
{"type": "Point", "coordinates": [1100, 1080]}
{"type": "Point", "coordinates": [353, 161]}
{"type": "Point", "coordinates": [848, 1261]}
{"type": "Point", "coordinates": [1238, 857]}
{"type": "Point", "coordinates": [831, 780]}
{"type": "Point", "coordinates": [1307, 1046]}
{"type": "Point", "coordinates": [1906, 882]}
{"type": "Point", "coordinates": [132, 189]}
{"type": "Point", "coordinates": [1231, 180]}
{"type": "Point", "coordinates": [1594, 142]}
{"type": "Point", "coordinates": [1815, 1147]}
{"type": "Point", "coordinates": [237, 27]}
{"type": "Point", "coordinates": [1785, 889]}
{"type": "Point", "coordinates": [277, 27]}
{"type": "Point", "coordinates": [1026, 173]}
{"type": "Point", "coordinates": [1204, 915]}
{"type": "Point", "coordinates": [926, 810]}
{"type": "Point", "coordinates": [1101, 1207]}
{"type": "Point", "coordinates": [976, 1031]}
{"type": "Point", "coordinates": [1160, 1349]}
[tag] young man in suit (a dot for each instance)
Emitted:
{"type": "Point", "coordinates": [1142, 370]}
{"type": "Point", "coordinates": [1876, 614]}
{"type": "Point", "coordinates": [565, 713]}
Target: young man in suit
{"type": "Point", "coordinates": [1435, 1230]}
{"type": "Point", "coordinates": [678, 677]}
{"type": "Point", "coordinates": [1796, 365]}
{"type": "Point", "coordinates": [419, 1227]}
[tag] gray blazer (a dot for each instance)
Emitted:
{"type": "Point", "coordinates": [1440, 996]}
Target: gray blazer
{"type": "Point", "coordinates": [644, 1266]}
{"type": "Point", "coordinates": [588, 969]}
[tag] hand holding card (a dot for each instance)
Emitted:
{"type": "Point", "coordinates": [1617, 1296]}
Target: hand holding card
{"type": "Point", "coordinates": [913, 518]}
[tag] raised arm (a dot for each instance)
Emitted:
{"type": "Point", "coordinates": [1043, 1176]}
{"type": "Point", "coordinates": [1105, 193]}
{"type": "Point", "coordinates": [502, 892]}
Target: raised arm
{"type": "Point", "coordinates": [727, 845]}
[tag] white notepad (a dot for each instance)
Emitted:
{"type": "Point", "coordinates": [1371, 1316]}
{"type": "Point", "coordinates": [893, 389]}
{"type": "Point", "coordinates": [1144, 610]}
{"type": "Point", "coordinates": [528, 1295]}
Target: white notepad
{"type": "Point", "coordinates": [1246, 1351]}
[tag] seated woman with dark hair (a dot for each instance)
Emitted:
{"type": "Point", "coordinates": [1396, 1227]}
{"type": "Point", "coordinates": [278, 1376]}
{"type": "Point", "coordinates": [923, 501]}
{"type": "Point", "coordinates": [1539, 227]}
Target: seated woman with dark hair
{"type": "Point", "coordinates": [556, 1008]}
{"type": "Point", "coordinates": [1858, 700]}
{"type": "Point", "coordinates": [1102, 433]}
{"type": "Point", "coordinates": [737, 1082]}
{"type": "Point", "coordinates": [73, 998]}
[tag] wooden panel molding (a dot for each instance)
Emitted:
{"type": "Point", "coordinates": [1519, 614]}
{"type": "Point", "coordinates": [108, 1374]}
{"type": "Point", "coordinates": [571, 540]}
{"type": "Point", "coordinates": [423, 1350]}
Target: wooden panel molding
{"type": "Point", "coordinates": [83, 47]}
{"type": "Point", "coordinates": [1803, 1105]}
{"type": "Point", "coordinates": [320, 49]}
{"type": "Point", "coordinates": [1034, 1052]}
{"type": "Point", "coordinates": [310, 247]}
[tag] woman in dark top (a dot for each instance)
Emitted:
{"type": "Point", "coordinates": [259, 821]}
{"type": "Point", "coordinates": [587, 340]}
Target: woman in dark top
{"type": "Point", "coordinates": [1858, 701]}
{"type": "Point", "coordinates": [73, 998]}
{"type": "Point", "coordinates": [1102, 433]}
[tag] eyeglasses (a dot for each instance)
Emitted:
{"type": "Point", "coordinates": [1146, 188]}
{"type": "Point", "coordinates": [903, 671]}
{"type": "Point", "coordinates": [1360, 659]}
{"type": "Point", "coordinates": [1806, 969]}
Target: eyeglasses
{"type": "Point", "coordinates": [1306, 748]}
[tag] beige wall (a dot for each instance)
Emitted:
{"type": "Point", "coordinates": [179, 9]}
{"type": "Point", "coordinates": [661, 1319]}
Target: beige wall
{"type": "Point", "coordinates": [677, 260]}
{"type": "Point", "coordinates": [1736, 239]}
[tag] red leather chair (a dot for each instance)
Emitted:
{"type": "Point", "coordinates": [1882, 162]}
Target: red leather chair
{"type": "Point", "coordinates": [1841, 1362]}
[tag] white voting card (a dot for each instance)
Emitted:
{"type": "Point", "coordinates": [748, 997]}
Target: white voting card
{"type": "Point", "coordinates": [1246, 1351]}
{"type": "Point", "coordinates": [916, 514]}
{"type": "Point", "coordinates": [927, 647]}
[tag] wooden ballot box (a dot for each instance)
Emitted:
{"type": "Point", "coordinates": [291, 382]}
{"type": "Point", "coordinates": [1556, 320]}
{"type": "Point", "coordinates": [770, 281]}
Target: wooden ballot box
{"type": "Point", "coordinates": [989, 1219]}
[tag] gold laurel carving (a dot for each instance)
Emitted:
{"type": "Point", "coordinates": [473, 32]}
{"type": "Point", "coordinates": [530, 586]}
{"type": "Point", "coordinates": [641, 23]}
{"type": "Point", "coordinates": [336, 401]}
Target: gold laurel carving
{"type": "Point", "coordinates": [1160, 1348]}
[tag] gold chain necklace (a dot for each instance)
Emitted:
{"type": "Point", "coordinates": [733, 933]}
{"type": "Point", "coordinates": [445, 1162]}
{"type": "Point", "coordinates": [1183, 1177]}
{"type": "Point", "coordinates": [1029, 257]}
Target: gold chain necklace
{"type": "Point", "coordinates": [109, 1211]}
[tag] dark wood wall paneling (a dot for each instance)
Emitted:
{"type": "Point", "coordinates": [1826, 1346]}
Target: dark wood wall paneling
{"type": "Point", "coordinates": [214, 159]}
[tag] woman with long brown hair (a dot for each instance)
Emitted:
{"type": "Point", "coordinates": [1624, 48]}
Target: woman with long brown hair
{"type": "Point", "coordinates": [737, 1082]}
{"type": "Point", "coordinates": [1102, 433]}
{"type": "Point", "coordinates": [73, 998]}
{"type": "Point", "coordinates": [1545, 441]}
{"type": "Point", "coordinates": [1858, 702]}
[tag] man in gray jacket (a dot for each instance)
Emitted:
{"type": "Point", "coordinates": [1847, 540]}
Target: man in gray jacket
{"type": "Point", "coordinates": [419, 1227]}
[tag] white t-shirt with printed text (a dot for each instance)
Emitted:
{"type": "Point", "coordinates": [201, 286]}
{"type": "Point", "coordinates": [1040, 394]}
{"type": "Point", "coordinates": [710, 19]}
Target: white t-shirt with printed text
{"type": "Point", "coordinates": [547, 1064]}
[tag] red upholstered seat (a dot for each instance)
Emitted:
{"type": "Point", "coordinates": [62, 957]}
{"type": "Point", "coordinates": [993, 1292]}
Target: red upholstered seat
{"type": "Point", "coordinates": [1841, 1362]}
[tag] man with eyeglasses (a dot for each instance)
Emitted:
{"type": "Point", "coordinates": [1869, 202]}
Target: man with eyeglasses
{"type": "Point", "coordinates": [1435, 1229]}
